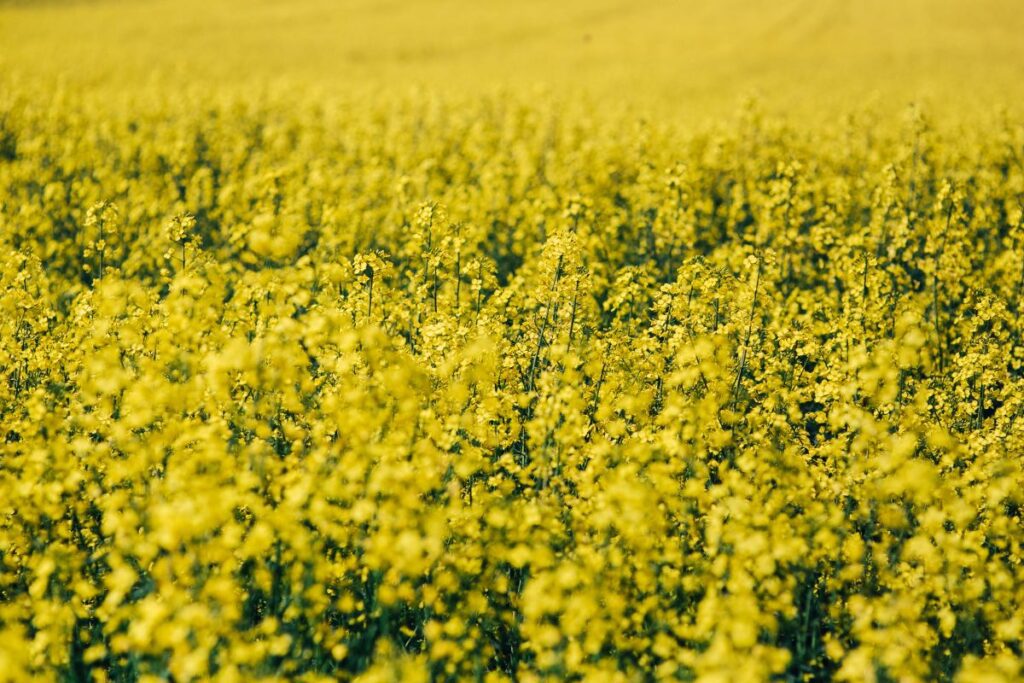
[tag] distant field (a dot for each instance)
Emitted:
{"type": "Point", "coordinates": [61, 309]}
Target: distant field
{"type": "Point", "coordinates": [690, 54]}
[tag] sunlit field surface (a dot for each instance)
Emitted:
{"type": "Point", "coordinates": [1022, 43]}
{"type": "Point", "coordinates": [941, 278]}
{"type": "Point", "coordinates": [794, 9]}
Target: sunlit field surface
{"type": "Point", "coordinates": [695, 55]}
{"type": "Point", "coordinates": [588, 341]}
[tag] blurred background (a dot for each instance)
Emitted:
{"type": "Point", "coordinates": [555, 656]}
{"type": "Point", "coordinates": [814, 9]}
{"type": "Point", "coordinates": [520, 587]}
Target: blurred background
{"type": "Point", "coordinates": [690, 55]}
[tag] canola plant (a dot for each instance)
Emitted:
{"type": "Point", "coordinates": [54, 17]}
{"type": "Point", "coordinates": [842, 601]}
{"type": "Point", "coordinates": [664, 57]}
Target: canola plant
{"type": "Point", "coordinates": [507, 386]}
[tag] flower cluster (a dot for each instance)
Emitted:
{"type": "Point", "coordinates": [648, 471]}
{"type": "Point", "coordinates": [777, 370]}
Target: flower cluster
{"type": "Point", "coordinates": [567, 403]}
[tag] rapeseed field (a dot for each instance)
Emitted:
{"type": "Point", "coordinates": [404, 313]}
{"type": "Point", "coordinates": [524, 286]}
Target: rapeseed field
{"type": "Point", "coordinates": [469, 341]}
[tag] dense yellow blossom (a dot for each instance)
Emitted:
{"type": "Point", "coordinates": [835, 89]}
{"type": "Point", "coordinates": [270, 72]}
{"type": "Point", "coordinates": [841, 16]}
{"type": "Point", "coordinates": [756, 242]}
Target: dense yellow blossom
{"type": "Point", "coordinates": [403, 386]}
